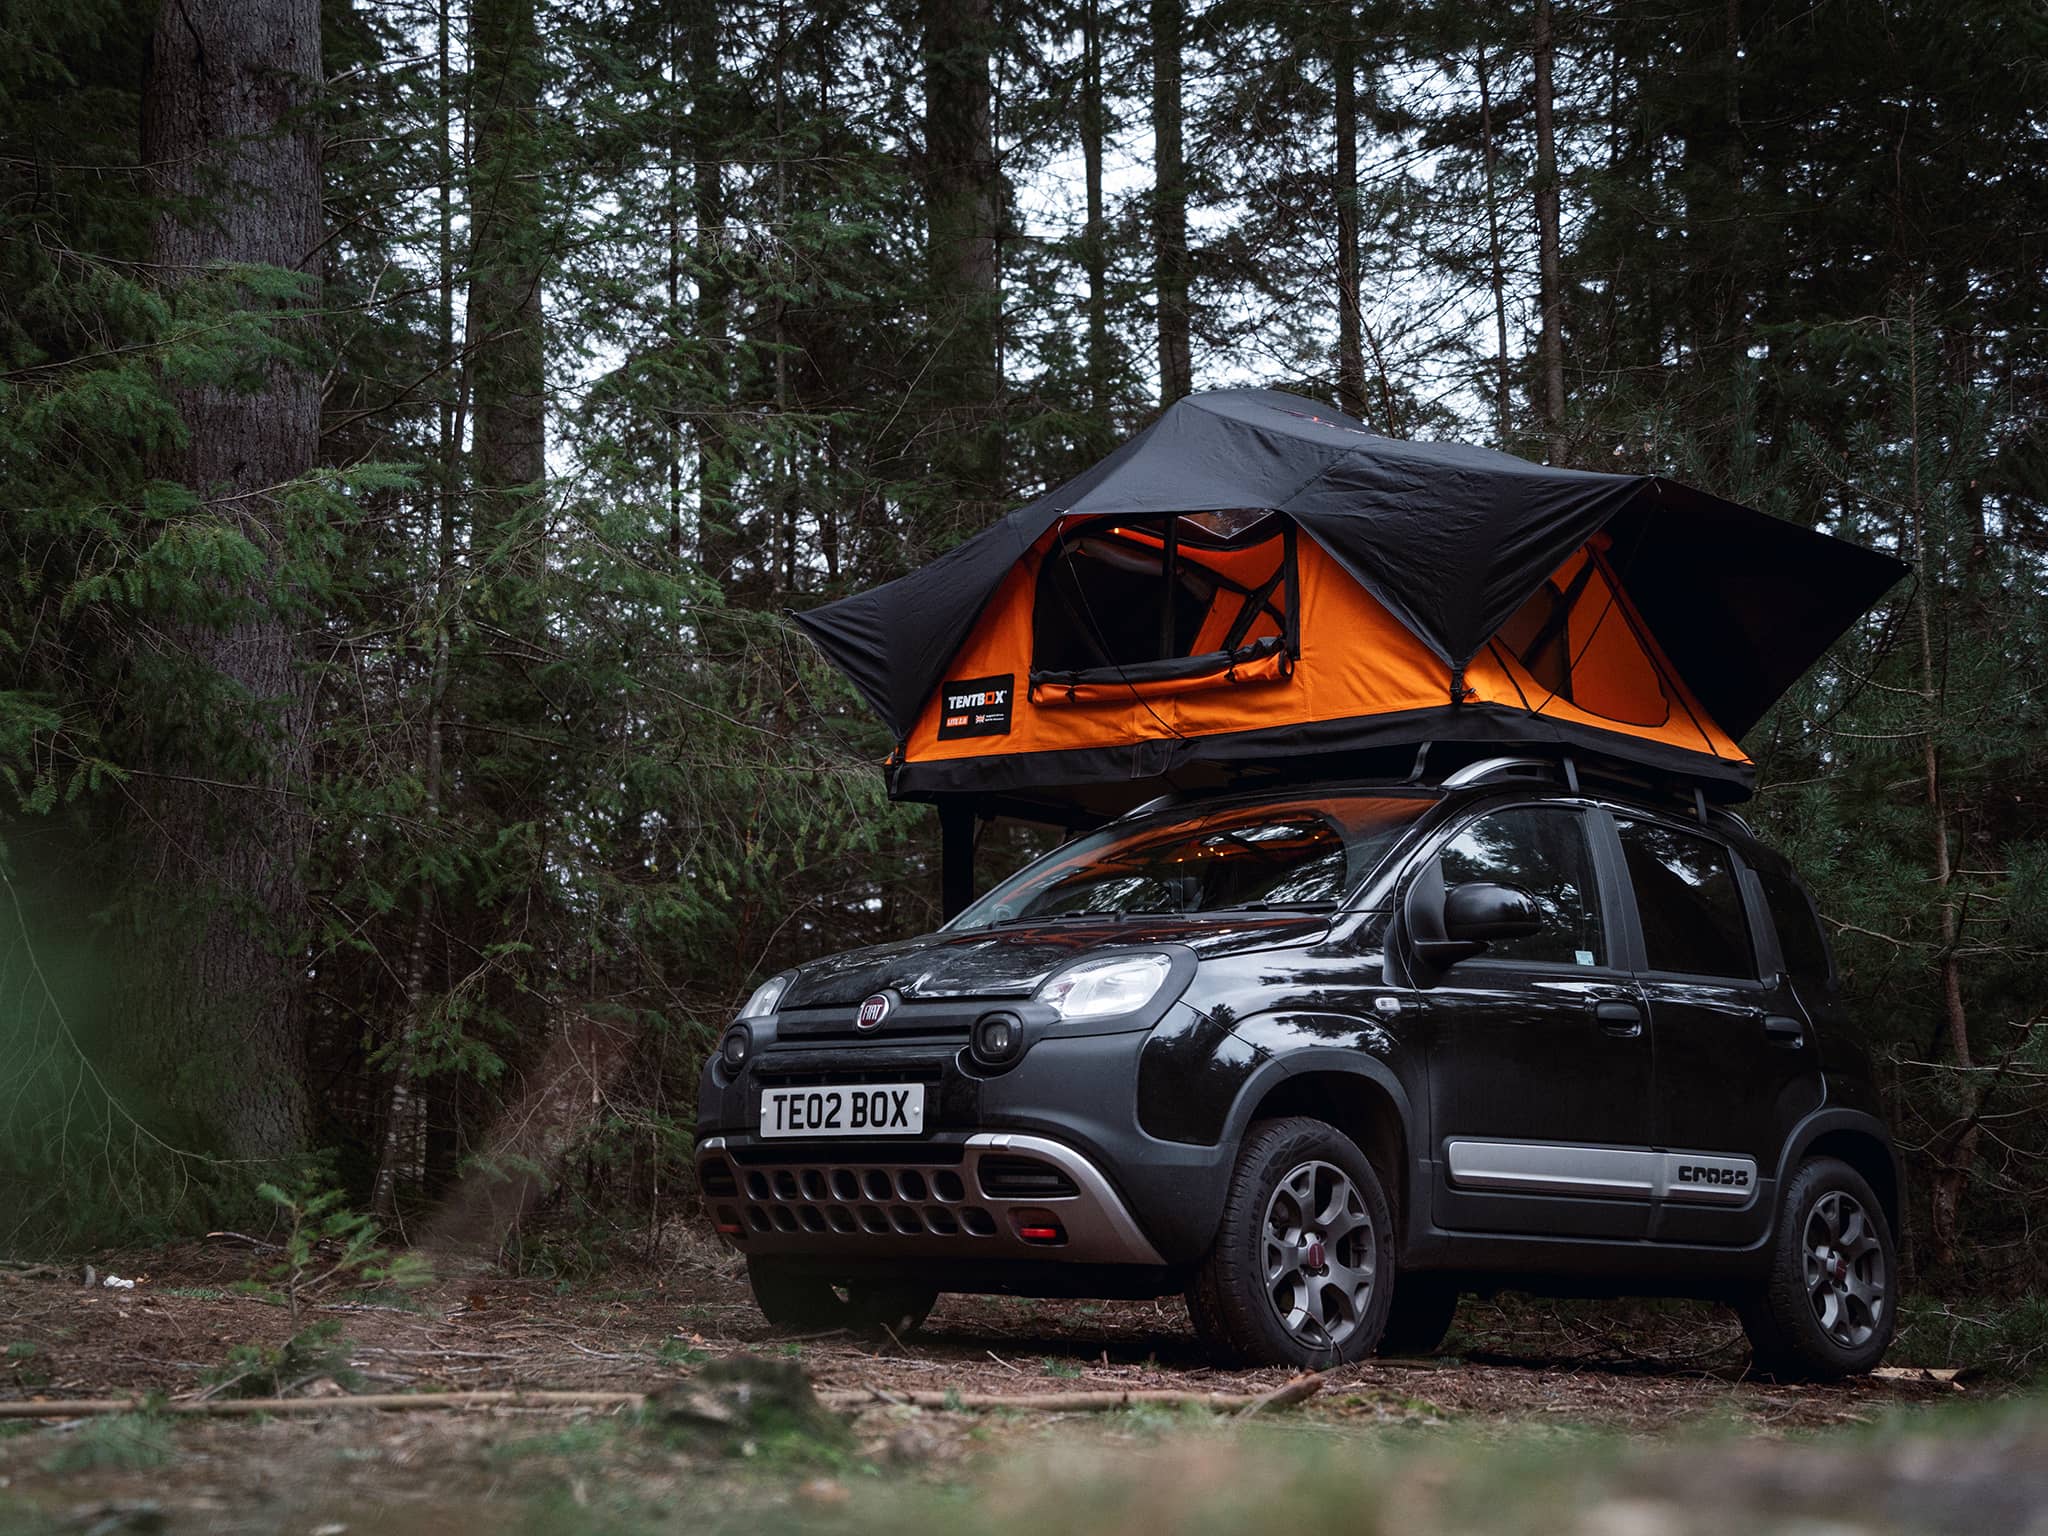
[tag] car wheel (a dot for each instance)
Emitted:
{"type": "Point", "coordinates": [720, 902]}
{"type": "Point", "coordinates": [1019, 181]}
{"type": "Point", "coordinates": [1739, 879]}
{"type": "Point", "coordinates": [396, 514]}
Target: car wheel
{"type": "Point", "coordinates": [1420, 1315]}
{"type": "Point", "coordinates": [1303, 1263]}
{"type": "Point", "coordinates": [797, 1299]}
{"type": "Point", "coordinates": [1828, 1307]}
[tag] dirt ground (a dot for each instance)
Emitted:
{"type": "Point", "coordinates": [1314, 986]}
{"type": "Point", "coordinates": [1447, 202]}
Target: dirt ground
{"type": "Point", "coordinates": [1511, 1367]}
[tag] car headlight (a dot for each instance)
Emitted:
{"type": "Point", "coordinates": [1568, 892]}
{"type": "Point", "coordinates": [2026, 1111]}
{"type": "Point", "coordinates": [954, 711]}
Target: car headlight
{"type": "Point", "coordinates": [766, 996]}
{"type": "Point", "coordinates": [1102, 989]}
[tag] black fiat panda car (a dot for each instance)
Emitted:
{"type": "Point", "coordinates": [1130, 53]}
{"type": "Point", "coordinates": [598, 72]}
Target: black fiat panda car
{"type": "Point", "coordinates": [1324, 1058]}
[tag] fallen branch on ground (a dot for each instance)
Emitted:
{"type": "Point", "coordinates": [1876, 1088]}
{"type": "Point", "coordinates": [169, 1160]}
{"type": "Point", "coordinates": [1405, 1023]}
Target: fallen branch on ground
{"type": "Point", "coordinates": [1295, 1391]}
{"type": "Point", "coordinates": [413, 1402]}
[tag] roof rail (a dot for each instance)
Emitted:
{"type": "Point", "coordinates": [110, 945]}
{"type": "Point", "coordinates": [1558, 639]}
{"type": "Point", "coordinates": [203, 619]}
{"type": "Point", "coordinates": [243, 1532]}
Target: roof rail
{"type": "Point", "coordinates": [1567, 771]}
{"type": "Point", "coordinates": [1492, 767]}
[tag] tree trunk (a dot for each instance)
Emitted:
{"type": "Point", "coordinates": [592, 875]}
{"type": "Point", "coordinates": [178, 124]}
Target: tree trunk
{"type": "Point", "coordinates": [1170, 203]}
{"type": "Point", "coordinates": [1094, 241]}
{"type": "Point", "coordinates": [1496, 272]}
{"type": "Point", "coordinates": [404, 1110]}
{"type": "Point", "coordinates": [718, 538]}
{"type": "Point", "coordinates": [1350, 343]}
{"type": "Point", "coordinates": [508, 357]}
{"type": "Point", "coordinates": [960, 185]}
{"type": "Point", "coordinates": [226, 125]}
{"type": "Point", "coordinates": [1551, 349]}
{"type": "Point", "coordinates": [1955, 1152]}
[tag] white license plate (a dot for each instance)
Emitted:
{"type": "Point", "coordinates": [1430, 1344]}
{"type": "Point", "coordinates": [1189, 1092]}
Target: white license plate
{"type": "Point", "coordinates": [851, 1109]}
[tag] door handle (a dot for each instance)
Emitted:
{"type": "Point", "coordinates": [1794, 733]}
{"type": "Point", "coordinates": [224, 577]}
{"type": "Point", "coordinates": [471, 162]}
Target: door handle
{"type": "Point", "coordinates": [1781, 1029]}
{"type": "Point", "coordinates": [1619, 1018]}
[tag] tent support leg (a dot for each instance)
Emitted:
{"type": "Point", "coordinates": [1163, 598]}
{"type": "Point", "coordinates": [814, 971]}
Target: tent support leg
{"type": "Point", "coordinates": [956, 858]}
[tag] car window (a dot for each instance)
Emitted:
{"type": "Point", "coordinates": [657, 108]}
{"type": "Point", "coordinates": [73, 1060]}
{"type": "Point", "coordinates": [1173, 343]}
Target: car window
{"type": "Point", "coordinates": [1305, 851]}
{"type": "Point", "coordinates": [1545, 852]}
{"type": "Point", "coordinates": [1691, 906]}
{"type": "Point", "coordinates": [1800, 939]}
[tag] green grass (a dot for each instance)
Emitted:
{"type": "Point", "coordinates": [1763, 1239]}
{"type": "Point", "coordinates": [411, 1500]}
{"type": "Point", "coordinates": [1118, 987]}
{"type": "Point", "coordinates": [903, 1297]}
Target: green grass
{"type": "Point", "coordinates": [1064, 1370]}
{"type": "Point", "coordinates": [124, 1442]}
{"type": "Point", "coordinates": [1147, 1472]}
{"type": "Point", "coordinates": [676, 1352]}
{"type": "Point", "coordinates": [578, 1441]}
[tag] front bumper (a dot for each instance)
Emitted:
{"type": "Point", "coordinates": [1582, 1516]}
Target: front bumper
{"type": "Point", "coordinates": [1133, 1193]}
{"type": "Point", "coordinates": [992, 1195]}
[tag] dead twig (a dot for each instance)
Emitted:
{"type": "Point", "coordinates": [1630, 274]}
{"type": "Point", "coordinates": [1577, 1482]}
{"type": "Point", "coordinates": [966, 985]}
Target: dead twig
{"type": "Point", "coordinates": [1086, 1402]}
{"type": "Point", "coordinates": [397, 1402]}
{"type": "Point", "coordinates": [1298, 1390]}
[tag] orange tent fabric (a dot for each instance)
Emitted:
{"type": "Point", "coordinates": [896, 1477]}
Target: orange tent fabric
{"type": "Point", "coordinates": [1576, 656]}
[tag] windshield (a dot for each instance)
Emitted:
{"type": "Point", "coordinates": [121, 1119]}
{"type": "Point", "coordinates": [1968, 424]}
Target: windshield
{"type": "Point", "coordinates": [1306, 852]}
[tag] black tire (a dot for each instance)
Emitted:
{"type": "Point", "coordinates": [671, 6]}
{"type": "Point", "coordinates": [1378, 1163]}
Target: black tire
{"type": "Point", "coordinates": [1264, 1258]}
{"type": "Point", "coordinates": [796, 1299]}
{"type": "Point", "coordinates": [1829, 1305]}
{"type": "Point", "coordinates": [1420, 1315]}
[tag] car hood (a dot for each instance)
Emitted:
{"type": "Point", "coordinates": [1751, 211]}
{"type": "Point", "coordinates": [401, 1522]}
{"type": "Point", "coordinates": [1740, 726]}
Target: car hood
{"type": "Point", "coordinates": [1013, 961]}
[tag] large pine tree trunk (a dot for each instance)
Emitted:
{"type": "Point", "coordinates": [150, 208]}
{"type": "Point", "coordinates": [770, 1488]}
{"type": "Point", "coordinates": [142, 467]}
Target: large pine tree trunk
{"type": "Point", "coordinates": [486, 759]}
{"type": "Point", "coordinates": [1496, 272]}
{"type": "Point", "coordinates": [960, 190]}
{"type": "Point", "coordinates": [1350, 320]}
{"type": "Point", "coordinates": [1550, 354]}
{"type": "Point", "coordinates": [719, 540]}
{"type": "Point", "coordinates": [226, 125]}
{"type": "Point", "coordinates": [1095, 245]}
{"type": "Point", "coordinates": [1170, 202]}
{"type": "Point", "coordinates": [508, 356]}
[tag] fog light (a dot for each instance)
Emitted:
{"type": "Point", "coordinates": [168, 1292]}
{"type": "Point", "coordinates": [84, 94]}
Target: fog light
{"type": "Point", "coordinates": [998, 1039]}
{"type": "Point", "coordinates": [736, 1047]}
{"type": "Point", "coordinates": [1038, 1226]}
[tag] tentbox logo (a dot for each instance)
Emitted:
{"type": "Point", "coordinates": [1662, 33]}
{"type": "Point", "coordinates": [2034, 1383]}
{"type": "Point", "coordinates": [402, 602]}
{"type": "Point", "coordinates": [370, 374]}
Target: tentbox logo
{"type": "Point", "coordinates": [873, 1011]}
{"type": "Point", "coordinates": [976, 706]}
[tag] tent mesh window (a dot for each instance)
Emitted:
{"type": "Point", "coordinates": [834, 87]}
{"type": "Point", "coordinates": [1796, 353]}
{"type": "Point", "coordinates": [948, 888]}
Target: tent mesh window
{"type": "Point", "coordinates": [1164, 602]}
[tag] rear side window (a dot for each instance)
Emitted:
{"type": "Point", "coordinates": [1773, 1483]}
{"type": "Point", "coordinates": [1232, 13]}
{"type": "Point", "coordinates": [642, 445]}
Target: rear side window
{"type": "Point", "coordinates": [1800, 939]}
{"type": "Point", "coordinates": [1691, 906]}
{"type": "Point", "coordinates": [1545, 852]}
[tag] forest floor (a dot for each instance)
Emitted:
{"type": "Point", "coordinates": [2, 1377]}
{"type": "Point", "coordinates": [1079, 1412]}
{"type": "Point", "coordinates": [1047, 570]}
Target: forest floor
{"type": "Point", "coordinates": [1539, 1415]}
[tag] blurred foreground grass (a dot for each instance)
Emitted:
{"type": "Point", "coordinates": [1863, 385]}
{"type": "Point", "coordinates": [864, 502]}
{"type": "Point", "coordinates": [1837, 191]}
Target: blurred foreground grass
{"type": "Point", "coordinates": [1975, 1467]}
{"type": "Point", "coordinates": [1983, 1470]}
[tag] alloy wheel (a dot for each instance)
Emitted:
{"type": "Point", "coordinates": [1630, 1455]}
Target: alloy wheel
{"type": "Point", "coordinates": [1318, 1254]}
{"type": "Point", "coordinates": [1845, 1272]}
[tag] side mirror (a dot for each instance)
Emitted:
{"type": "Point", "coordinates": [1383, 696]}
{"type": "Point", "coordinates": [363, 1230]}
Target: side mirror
{"type": "Point", "coordinates": [1446, 926]}
{"type": "Point", "coordinates": [1480, 913]}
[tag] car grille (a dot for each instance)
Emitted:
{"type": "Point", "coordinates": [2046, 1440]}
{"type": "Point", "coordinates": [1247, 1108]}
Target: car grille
{"type": "Point", "coordinates": [911, 1199]}
{"type": "Point", "coordinates": [996, 1194]}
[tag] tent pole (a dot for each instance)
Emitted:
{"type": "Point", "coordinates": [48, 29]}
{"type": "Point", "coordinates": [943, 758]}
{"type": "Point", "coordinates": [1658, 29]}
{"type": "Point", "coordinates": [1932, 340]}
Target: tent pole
{"type": "Point", "coordinates": [956, 857]}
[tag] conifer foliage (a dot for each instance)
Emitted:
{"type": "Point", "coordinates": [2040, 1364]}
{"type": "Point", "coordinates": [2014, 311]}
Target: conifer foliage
{"type": "Point", "coordinates": [418, 418]}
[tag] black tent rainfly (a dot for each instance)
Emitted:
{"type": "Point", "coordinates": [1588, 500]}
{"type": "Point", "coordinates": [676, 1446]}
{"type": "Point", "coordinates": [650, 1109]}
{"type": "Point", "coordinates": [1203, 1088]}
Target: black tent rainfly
{"type": "Point", "coordinates": [1256, 582]}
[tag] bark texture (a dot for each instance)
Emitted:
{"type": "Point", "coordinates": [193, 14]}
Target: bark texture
{"type": "Point", "coordinates": [236, 153]}
{"type": "Point", "coordinates": [508, 348]}
{"type": "Point", "coordinates": [1350, 319]}
{"type": "Point", "coordinates": [1170, 202]}
{"type": "Point", "coordinates": [1095, 240]}
{"type": "Point", "coordinates": [1550, 349]}
{"type": "Point", "coordinates": [1496, 275]}
{"type": "Point", "coordinates": [960, 188]}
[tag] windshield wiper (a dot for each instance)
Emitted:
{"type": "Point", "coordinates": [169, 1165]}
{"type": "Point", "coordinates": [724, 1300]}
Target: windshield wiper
{"type": "Point", "coordinates": [1060, 917]}
{"type": "Point", "coordinates": [1287, 906]}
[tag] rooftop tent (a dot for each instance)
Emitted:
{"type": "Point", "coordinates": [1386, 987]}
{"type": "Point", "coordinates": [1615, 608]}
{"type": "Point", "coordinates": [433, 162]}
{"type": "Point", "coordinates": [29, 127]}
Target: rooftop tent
{"type": "Point", "coordinates": [1256, 579]}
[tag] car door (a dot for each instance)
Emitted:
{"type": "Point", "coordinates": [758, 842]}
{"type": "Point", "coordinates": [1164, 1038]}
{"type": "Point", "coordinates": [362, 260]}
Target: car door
{"type": "Point", "coordinates": [1734, 1069]}
{"type": "Point", "coordinates": [1539, 1063]}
